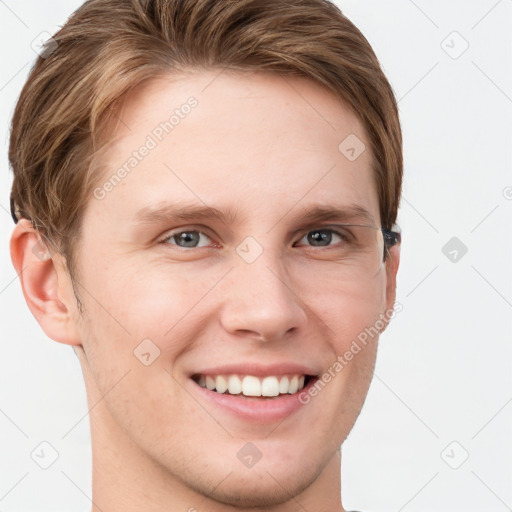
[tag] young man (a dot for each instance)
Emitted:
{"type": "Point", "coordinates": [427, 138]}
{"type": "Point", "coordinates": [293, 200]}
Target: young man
{"type": "Point", "coordinates": [204, 195]}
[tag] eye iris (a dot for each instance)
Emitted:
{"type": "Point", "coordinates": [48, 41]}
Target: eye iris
{"type": "Point", "coordinates": [320, 236]}
{"type": "Point", "coordinates": [190, 238]}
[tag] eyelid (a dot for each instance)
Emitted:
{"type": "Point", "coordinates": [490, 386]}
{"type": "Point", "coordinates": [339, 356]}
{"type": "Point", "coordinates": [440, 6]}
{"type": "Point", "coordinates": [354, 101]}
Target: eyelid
{"type": "Point", "coordinates": [337, 228]}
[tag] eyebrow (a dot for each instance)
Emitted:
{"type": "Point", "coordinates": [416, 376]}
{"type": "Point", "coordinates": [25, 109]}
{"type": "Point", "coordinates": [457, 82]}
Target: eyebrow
{"type": "Point", "coordinates": [350, 213]}
{"type": "Point", "coordinates": [312, 214]}
{"type": "Point", "coordinates": [152, 214]}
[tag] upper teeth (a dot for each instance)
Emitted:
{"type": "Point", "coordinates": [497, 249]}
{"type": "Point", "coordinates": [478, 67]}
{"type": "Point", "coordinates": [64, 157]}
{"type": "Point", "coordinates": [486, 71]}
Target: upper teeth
{"type": "Point", "coordinates": [250, 385]}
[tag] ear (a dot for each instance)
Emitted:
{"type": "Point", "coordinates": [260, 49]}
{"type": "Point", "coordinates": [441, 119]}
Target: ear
{"type": "Point", "coordinates": [392, 263]}
{"type": "Point", "coordinates": [46, 284]}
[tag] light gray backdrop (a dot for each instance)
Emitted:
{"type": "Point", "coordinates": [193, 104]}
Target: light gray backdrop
{"type": "Point", "coordinates": [435, 431]}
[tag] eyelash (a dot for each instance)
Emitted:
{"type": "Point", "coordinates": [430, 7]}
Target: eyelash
{"type": "Point", "coordinates": [171, 235]}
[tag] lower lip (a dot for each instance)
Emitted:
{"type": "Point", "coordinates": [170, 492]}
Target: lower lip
{"type": "Point", "coordinates": [255, 409]}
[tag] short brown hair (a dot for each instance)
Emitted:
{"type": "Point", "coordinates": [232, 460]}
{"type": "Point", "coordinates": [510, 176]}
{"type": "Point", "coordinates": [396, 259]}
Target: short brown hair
{"type": "Point", "coordinates": [108, 47]}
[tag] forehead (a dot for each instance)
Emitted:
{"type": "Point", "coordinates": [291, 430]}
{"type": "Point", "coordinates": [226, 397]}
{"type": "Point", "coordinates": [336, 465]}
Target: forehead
{"type": "Point", "coordinates": [260, 142]}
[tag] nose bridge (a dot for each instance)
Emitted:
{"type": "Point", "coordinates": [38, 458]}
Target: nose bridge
{"type": "Point", "coordinates": [261, 298]}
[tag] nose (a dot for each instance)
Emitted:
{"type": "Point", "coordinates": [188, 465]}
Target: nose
{"type": "Point", "coordinates": [260, 300]}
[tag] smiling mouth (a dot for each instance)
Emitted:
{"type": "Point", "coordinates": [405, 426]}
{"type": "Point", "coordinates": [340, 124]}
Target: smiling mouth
{"type": "Point", "coordinates": [251, 386]}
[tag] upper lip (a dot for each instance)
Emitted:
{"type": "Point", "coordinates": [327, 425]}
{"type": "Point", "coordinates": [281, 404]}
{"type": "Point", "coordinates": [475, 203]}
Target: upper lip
{"type": "Point", "coordinates": [258, 370]}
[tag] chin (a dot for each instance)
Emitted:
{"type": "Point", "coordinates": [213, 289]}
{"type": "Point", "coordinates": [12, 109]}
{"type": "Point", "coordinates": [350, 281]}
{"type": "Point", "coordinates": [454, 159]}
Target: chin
{"type": "Point", "coordinates": [263, 485]}
{"type": "Point", "coordinates": [260, 490]}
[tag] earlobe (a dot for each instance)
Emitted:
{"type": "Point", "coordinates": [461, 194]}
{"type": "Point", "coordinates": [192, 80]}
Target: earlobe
{"type": "Point", "coordinates": [45, 283]}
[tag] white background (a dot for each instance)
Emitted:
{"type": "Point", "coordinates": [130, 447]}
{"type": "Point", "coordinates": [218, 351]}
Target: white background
{"type": "Point", "coordinates": [444, 370]}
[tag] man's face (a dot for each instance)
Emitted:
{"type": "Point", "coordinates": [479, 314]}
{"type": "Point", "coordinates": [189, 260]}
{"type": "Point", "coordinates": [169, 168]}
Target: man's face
{"type": "Point", "coordinates": [247, 296]}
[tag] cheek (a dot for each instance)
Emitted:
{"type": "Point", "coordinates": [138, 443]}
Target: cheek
{"type": "Point", "coordinates": [354, 317]}
{"type": "Point", "coordinates": [353, 310]}
{"type": "Point", "coordinates": [126, 306]}
{"type": "Point", "coordinates": [136, 326]}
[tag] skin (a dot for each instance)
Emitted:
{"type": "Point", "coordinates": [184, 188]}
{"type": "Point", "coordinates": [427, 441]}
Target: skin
{"type": "Point", "coordinates": [265, 146]}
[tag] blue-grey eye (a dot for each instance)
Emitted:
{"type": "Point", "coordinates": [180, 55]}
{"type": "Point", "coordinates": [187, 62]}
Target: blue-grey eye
{"type": "Point", "coordinates": [186, 239]}
{"type": "Point", "coordinates": [320, 237]}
